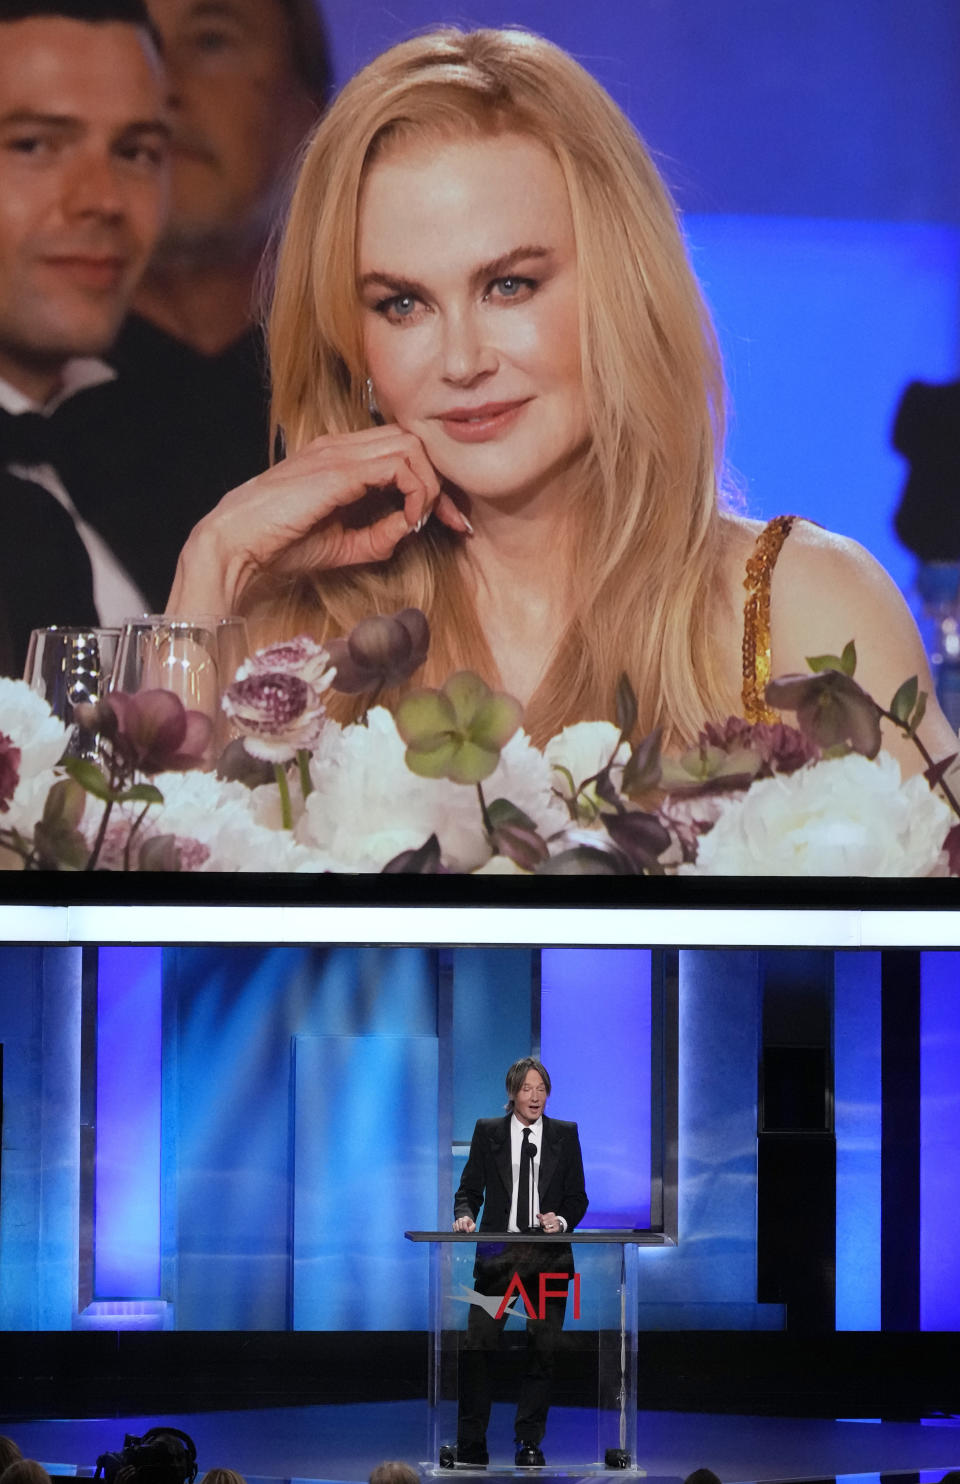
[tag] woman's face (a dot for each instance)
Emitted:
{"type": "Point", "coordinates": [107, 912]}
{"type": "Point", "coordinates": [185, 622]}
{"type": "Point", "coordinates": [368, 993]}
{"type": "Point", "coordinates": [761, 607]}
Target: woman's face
{"type": "Point", "coordinates": [468, 288]}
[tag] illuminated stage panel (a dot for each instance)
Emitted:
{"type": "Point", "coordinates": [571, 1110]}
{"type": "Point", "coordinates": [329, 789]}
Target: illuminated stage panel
{"type": "Point", "coordinates": [595, 1042]}
{"type": "Point", "coordinates": [939, 1141]}
{"type": "Point", "coordinates": [364, 1170]}
{"type": "Point", "coordinates": [127, 1240]}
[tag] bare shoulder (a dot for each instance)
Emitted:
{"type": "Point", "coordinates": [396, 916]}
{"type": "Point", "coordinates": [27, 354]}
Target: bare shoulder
{"type": "Point", "coordinates": [827, 590]}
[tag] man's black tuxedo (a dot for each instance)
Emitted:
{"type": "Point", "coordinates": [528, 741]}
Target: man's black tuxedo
{"type": "Point", "coordinates": [488, 1178]}
{"type": "Point", "coordinates": [488, 1182]}
{"type": "Point", "coordinates": [45, 575]}
{"type": "Point", "coordinates": [147, 455]}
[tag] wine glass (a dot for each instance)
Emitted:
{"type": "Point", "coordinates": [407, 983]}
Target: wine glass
{"type": "Point", "coordinates": [67, 667]}
{"type": "Point", "coordinates": [195, 657]}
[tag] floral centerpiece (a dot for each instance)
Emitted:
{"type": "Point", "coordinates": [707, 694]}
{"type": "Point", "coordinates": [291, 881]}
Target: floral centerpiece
{"type": "Point", "coordinates": [450, 782]}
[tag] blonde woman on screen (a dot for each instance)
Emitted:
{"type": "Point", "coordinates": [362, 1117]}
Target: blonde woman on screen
{"type": "Point", "coordinates": [501, 402]}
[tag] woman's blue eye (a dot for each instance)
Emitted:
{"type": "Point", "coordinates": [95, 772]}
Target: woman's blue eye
{"type": "Point", "coordinates": [512, 287]}
{"type": "Point", "coordinates": [398, 306]}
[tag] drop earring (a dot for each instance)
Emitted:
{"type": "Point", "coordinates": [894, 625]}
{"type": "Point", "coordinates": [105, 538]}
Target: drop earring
{"type": "Point", "coordinates": [372, 407]}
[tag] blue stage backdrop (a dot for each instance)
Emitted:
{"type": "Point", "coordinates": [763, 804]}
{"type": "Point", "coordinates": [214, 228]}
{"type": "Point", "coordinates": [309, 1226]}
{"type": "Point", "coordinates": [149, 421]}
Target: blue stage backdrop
{"type": "Point", "coordinates": [268, 1120]}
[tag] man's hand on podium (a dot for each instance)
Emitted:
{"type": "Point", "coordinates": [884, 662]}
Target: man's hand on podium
{"type": "Point", "coordinates": [464, 1224]}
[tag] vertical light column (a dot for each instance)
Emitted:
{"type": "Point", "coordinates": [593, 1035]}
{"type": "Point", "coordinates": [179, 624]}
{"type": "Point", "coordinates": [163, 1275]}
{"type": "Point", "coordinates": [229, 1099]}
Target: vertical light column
{"type": "Point", "coordinates": [365, 1170]}
{"type": "Point", "coordinates": [595, 1043]}
{"type": "Point", "coordinates": [858, 1111]}
{"type": "Point", "coordinates": [127, 1227]}
{"type": "Point", "coordinates": [939, 1140]}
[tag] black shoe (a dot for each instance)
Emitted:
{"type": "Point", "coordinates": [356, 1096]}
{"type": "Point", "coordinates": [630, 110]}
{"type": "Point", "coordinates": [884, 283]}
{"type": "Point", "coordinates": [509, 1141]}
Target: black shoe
{"type": "Point", "coordinates": [529, 1456]}
{"type": "Point", "coordinates": [473, 1453]}
{"type": "Point", "coordinates": [448, 1456]}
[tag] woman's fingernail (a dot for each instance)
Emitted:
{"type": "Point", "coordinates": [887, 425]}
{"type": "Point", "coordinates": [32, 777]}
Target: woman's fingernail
{"type": "Point", "coordinates": [421, 523]}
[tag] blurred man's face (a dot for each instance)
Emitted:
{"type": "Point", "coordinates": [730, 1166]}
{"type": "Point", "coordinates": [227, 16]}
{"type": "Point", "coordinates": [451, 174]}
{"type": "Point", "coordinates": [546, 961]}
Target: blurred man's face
{"type": "Point", "coordinates": [239, 112]}
{"type": "Point", "coordinates": [83, 186]}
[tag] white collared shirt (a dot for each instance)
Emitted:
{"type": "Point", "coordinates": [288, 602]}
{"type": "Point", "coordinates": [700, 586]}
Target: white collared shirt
{"type": "Point", "coordinates": [516, 1144]}
{"type": "Point", "coordinates": [115, 594]}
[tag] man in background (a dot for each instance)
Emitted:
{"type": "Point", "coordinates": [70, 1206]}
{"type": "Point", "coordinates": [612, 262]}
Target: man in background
{"type": "Point", "coordinates": [248, 80]}
{"type": "Point", "coordinates": [189, 411]}
{"type": "Point", "coordinates": [83, 184]}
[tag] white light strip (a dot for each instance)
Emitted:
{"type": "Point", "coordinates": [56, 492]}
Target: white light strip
{"type": "Point", "coordinates": [705, 927]}
{"type": "Point", "coordinates": [643, 926]}
{"type": "Point", "coordinates": [33, 924]}
{"type": "Point", "coordinates": [896, 929]}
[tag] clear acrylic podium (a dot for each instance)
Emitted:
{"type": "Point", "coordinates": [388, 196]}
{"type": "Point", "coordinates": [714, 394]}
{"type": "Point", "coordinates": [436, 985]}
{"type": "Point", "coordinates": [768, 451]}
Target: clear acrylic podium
{"type": "Point", "coordinates": [592, 1424]}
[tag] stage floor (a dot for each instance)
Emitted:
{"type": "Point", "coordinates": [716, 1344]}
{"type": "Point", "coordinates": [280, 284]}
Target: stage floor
{"type": "Point", "coordinates": [343, 1443]}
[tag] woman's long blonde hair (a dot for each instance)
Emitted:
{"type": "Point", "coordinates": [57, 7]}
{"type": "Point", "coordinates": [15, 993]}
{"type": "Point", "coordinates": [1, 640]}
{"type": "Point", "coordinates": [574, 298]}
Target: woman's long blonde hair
{"type": "Point", "coordinates": [645, 558]}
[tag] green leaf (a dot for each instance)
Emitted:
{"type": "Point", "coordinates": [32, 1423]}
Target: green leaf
{"type": "Point", "coordinates": [643, 768]}
{"type": "Point", "coordinates": [60, 847]}
{"type": "Point", "coordinates": [90, 777]}
{"type": "Point", "coordinates": [818, 662]}
{"type": "Point", "coordinates": [141, 793]}
{"type": "Point", "coordinates": [919, 711]}
{"type": "Point", "coordinates": [904, 701]}
{"type": "Point", "coordinates": [502, 812]}
{"type": "Point", "coordinates": [626, 705]}
{"type": "Point", "coordinates": [64, 805]}
{"type": "Point", "coordinates": [846, 663]}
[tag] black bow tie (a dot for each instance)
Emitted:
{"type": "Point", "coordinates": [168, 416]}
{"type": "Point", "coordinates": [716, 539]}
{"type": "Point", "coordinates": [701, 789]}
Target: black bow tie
{"type": "Point", "coordinates": [27, 438]}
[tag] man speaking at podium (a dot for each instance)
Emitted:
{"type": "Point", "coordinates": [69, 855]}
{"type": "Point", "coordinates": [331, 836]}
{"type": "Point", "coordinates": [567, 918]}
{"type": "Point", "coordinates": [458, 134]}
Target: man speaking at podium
{"type": "Point", "coordinates": [526, 1171]}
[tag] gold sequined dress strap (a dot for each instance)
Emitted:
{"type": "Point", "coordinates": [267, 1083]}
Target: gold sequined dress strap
{"type": "Point", "coordinates": [756, 618]}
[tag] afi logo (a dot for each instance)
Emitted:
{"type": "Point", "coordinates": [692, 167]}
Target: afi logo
{"type": "Point", "coordinates": [516, 1289]}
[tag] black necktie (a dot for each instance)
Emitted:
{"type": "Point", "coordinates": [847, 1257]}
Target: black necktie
{"type": "Point", "coordinates": [45, 573]}
{"type": "Point", "coordinates": [527, 1151]}
{"type": "Point", "coordinates": [27, 438]}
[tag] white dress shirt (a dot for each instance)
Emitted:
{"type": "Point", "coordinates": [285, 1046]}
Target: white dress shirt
{"type": "Point", "coordinates": [115, 594]}
{"type": "Point", "coordinates": [516, 1144]}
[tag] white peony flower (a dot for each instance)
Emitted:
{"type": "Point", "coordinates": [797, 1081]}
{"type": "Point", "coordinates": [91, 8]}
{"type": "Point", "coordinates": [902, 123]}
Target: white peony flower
{"type": "Point", "coordinates": [845, 816]}
{"type": "Point", "coordinates": [367, 806]}
{"type": "Point", "coordinates": [203, 810]}
{"type": "Point", "coordinates": [42, 738]}
{"type": "Point", "coordinates": [28, 721]}
{"type": "Point", "coordinates": [582, 750]}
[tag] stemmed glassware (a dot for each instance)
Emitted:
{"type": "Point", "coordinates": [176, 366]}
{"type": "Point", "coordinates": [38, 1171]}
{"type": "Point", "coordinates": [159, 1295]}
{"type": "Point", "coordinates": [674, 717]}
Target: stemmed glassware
{"type": "Point", "coordinates": [68, 666]}
{"type": "Point", "coordinates": [195, 657]}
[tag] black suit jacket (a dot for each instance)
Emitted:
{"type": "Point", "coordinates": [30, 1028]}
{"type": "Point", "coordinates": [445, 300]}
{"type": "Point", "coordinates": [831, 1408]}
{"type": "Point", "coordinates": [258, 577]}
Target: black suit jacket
{"type": "Point", "coordinates": [488, 1176]}
{"type": "Point", "coordinates": [145, 456]}
{"type": "Point", "coordinates": [45, 575]}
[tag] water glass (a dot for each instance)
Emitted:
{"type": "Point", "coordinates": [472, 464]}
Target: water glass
{"type": "Point", "coordinates": [195, 657]}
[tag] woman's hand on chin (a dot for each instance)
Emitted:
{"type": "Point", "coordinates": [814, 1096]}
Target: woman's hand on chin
{"type": "Point", "coordinates": [296, 515]}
